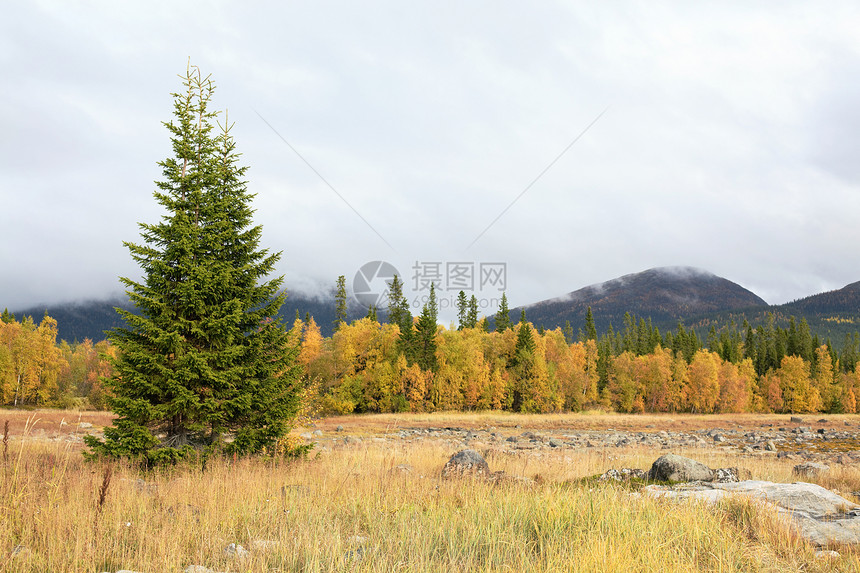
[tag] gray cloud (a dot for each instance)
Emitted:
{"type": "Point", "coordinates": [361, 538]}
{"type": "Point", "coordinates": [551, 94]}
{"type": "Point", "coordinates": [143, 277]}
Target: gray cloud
{"type": "Point", "coordinates": [727, 145]}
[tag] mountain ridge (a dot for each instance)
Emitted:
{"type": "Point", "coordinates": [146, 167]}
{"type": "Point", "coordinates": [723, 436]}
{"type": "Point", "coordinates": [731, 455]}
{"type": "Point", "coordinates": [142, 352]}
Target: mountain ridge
{"type": "Point", "coordinates": [664, 295]}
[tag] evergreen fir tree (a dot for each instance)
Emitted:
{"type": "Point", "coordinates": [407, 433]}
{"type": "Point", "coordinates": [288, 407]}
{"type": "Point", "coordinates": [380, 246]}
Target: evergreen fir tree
{"type": "Point", "coordinates": [7, 316]}
{"type": "Point", "coordinates": [425, 335]}
{"type": "Point", "coordinates": [503, 316]}
{"type": "Point", "coordinates": [399, 314]}
{"type": "Point", "coordinates": [462, 311]}
{"type": "Point", "coordinates": [523, 363]}
{"type": "Point", "coordinates": [206, 355]}
{"type": "Point", "coordinates": [397, 304]}
{"type": "Point", "coordinates": [590, 328]}
{"type": "Point", "coordinates": [340, 315]}
{"type": "Point", "coordinates": [472, 316]}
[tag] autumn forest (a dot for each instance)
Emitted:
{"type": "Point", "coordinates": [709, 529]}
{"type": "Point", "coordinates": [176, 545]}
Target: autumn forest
{"type": "Point", "coordinates": [368, 366]}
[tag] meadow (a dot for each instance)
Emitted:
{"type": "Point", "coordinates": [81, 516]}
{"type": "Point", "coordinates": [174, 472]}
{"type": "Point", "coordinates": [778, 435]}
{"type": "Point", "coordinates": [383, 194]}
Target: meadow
{"type": "Point", "coordinates": [379, 504]}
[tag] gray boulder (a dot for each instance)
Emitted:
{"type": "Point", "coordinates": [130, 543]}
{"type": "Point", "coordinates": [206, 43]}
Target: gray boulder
{"type": "Point", "coordinates": [673, 467]}
{"type": "Point", "coordinates": [466, 463]}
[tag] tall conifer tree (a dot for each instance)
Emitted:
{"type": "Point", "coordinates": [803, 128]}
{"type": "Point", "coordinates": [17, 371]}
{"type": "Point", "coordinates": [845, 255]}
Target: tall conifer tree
{"type": "Point", "coordinates": [206, 354]}
{"type": "Point", "coordinates": [503, 316]}
{"type": "Point", "coordinates": [462, 311]}
{"type": "Point", "coordinates": [340, 311]}
{"type": "Point", "coordinates": [425, 333]}
{"type": "Point", "coordinates": [472, 315]}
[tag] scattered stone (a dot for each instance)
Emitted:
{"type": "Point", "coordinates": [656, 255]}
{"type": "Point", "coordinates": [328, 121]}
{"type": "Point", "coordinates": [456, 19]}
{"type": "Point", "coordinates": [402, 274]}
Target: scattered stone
{"type": "Point", "coordinates": [796, 420]}
{"type": "Point", "coordinates": [317, 433]}
{"type": "Point", "coordinates": [624, 474]}
{"type": "Point", "coordinates": [770, 446]}
{"type": "Point", "coordinates": [143, 487]}
{"type": "Point", "coordinates": [198, 569]}
{"type": "Point", "coordinates": [355, 554]}
{"type": "Point", "coordinates": [731, 475]}
{"type": "Point", "coordinates": [339, 428]}
{"type": "Point", "coordinates": [827, 554]}
{"type": "Point", "coordinates": [466, 463]}
{"type": "Point", "coordinates": [84, 425]}
{"type": "Point", "coordinates": [236, 551]}
{"type": "Point", "coordinates": [810, 470]}
{"type": "Point", "coordinates": [263, 544]}
{"type": "Point", "coordinates": [555, 443]}
{"type": "Point", "coordinates": [675, 468]}
{"type": "Point", "coordinates": [501, 477]}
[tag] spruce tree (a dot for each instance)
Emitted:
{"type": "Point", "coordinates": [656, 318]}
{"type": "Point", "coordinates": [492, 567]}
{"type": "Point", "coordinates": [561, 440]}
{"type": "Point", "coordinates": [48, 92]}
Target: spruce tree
{"type": "Point", "coordinates": [398, 306]}
{"type": "Point", "coordinates": [462, 311]}
{"type": "Point", "coordinates": [425, 333]}
{"type": "Point", "coordinates": [206, 354]}
{"type": "Point", "coordinates": [399, 314]}
{"type": "Point", "coordinates": [340, 316]}
{"type": "Point", "coordinates": [503, 316]}
{"type": "Point", "coordinates": [523, 363]}
{"type": "Point", "coordinates": [472, 315]}
{"type": "Point", "coordinates": [590, 328]}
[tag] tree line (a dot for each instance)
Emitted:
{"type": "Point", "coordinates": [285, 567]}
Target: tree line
{"type": "Point", "coordinates": [412, 364]}
{"type": "Point", "coordinates": [35, 370]}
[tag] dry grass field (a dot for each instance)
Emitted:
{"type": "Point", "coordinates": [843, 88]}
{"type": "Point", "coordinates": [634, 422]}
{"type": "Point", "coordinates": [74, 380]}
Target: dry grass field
{"type": "Point", "coordinates": [379, 504]}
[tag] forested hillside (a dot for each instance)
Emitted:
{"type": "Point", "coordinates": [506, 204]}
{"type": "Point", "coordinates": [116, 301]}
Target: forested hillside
{"type": "Point", "coordinates": [665, 295]}
{"type": "Point", "coordinates": [91, 319]}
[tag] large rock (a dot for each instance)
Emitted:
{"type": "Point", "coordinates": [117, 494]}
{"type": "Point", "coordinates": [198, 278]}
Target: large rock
{"type": "Point", "coordinates": [466, 463]}
{"type": "Point", "coordinates": [673, 467]}
{"type": "Point", "coordinates": [819, 515]}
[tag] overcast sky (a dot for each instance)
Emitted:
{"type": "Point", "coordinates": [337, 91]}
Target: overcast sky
{"type": "Point", "coordinates": [729, 138]}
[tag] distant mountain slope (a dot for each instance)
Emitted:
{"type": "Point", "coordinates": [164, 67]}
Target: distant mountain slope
{"type": "Point", "coordinates": [90, 319]}
{"type": "Point", "coordinates": [841, 301]}
{"type": "Point", "coordinates": [665, 295]}
{"type": "Point", "coordinates": [830, 315]}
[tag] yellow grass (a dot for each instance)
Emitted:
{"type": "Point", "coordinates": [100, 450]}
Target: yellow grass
{"type": "Point", "coordinates": [350, 509]}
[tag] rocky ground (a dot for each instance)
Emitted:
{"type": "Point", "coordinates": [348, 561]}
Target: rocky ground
{"type": "Point", "coordinates": [796, 438]}
{"type": "Point", "coordinates": [825, 439]}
